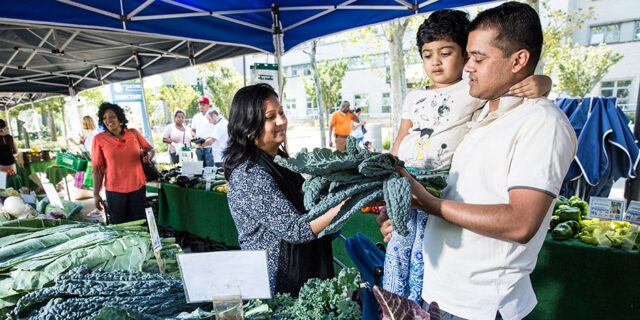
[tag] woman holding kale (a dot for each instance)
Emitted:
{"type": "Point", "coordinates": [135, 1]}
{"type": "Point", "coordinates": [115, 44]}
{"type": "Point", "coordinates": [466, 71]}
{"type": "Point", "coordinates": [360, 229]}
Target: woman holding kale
{"type": "Point", "coordinates": [266, 200]}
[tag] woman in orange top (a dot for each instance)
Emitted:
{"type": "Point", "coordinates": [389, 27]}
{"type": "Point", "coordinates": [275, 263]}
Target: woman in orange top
{"type": "Point", "coordinates": [115, 158]}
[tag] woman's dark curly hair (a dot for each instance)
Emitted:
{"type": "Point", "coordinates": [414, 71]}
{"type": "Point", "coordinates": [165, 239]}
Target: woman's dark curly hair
{"type": "Point", "coordinates": [246, 123]}
{"type": "Point", "coordinates": [445, 24]}
{"type": "Point", "coordinates": [117, 109]}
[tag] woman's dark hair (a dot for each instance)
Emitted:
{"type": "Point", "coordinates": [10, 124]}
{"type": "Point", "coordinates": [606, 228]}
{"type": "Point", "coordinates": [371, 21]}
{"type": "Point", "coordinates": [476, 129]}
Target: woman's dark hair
{"type": "Point", "coordinates": [445, 24]}
{"type": "Point", "coordinates": [2, 124]}
{"type": "Point", "coordinates": [178, 112]}
{"type": "Point", "coordinates": [116, 108]}
{"type": "Point", "coordinates": [517, 27]}
{"type": "Point", "coordinates": [246, 123]}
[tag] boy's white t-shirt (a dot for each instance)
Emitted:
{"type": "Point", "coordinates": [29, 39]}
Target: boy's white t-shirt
{"type": "Point", "coordinates": [439, 118]}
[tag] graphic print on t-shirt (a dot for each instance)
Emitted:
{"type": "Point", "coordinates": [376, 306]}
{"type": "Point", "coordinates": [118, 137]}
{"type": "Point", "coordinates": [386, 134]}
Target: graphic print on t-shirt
{"type": "Point", "coordinates": [430, 114]}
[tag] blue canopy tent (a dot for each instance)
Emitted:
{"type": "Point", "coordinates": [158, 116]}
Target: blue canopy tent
{"type": "Point", "coordinates": [270, 26]}
{"type": "Point", "coordinates": [607, 149]}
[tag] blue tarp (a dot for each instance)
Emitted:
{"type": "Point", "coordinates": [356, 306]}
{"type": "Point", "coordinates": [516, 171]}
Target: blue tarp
{"type": "Point", "coordinates": [607, 149]}
{"type": "Point", "coordinates": [243, 23]}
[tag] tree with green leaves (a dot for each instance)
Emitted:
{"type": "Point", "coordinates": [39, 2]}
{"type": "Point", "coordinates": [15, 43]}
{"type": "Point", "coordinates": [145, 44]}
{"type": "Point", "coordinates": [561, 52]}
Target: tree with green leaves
{"type": "Point", "coordinates": [576, 69]}
{"type": "Point", "coordinates": [330, 75]}
{"type": "Point", "coordinates": [222, 82]}
{"type": "Point", "coordinates": [178, 96]}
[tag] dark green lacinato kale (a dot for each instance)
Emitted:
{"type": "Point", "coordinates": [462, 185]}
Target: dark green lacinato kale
{"type": "Point", "coordinates": [82, 293]}
{"type": "Point", "coordinates": [357, 176]}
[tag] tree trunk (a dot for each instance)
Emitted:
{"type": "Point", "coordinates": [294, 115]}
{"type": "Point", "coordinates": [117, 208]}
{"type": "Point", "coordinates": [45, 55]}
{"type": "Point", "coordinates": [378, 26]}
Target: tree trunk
{"type": "Point", "coordinates": [316, 80]}
{"type": "Point", "coordinates": [396, 31]}
{"type": "Point", "coordinates": [52, 126]}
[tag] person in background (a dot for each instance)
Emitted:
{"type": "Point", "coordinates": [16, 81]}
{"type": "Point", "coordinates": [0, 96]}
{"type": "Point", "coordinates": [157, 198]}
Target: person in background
{"type": "Point", "coordinates": [357, 127]}
{"type": "Point", "coordinates": [89, 130]}
{"type": "Point", "coordinates": [341, 121]}
{"type": "Point", "coordinates": [369, 146]}
{"type": "Point", "coordinates": [8, 148]}
{"type": "Point", "coordinates": [266, 200]}
{"type": "Point", "coordinates": [116, 155]}
{"type": "Point", "coordinates": [176, 133]}
{"type": "Point", "coordinates": [202, 128]}
{"type": "Point", "coordinates": [219, 137]}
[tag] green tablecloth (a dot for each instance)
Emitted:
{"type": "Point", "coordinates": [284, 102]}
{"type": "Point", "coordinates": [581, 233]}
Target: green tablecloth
{"type": "Point", "coordinates": [364, 223]}
{"type": "Point", "coordinates": [204, 213]}
{"type": "Point", "coordinates": [15, 182]}
{"type": "Point", "coordinates": [31, 168]}
{"type": "Point", "coordinates": [574, 280]}
{"type": "Point", "coordinates": [56, 173]}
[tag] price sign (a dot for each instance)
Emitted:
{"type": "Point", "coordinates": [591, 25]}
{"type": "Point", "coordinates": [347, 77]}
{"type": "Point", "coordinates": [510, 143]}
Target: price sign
{"type": "Point", "coordinates": [184, 156]}
{"type": "Point", "coordinates": [604, 208]}
{"type": "Point", "coordinates": [633, 213]}
{"type": "Point", "coordinates": [191, 168]}
{"type": "Point", "coordinates": [52, 194]}
{"type": "Point", "coordinates": [3, 180]}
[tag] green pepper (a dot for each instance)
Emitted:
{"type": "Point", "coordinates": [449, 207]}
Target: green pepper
{"type": "Point", "coordinates": [567, 214]}
{"type": "Point", "coordinates": [575, 225]}
{"type": "Point", "coordinates": [583, 206]}
{"type": "Point", "coordinates": [562, 232]}
{"type": "Point", "coordinates": [560, 201]}
{"type": "Point", "coordinates": [555, 220]}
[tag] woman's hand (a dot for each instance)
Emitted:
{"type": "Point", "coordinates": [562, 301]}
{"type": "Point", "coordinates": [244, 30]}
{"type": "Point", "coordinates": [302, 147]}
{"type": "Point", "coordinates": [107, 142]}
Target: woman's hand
{"type": "Point", "coordinates": [384, 225]}
{"type": "Point", "coordinates": [534, 86]}
{"type": "Point", "coordinates": [97, 201]}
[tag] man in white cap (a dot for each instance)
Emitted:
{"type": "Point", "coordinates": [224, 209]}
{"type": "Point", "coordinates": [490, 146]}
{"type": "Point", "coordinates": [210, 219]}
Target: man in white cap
{"type": "Point", "coordinates": [203, 129]}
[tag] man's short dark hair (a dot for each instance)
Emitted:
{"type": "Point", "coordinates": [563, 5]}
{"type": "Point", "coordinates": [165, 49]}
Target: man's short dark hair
{"type": "Point", "coordinates": [358, 110]}
{"type": "Point", "coordinates": [517, 26]}
{"type": "Point", "coordinates": [445, 24]}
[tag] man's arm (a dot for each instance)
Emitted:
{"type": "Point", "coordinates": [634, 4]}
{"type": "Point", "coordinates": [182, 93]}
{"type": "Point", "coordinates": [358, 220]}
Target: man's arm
{"type": "Point", "coordinates": [355, 118]}
{"type": "Point", "coordinates": [209, 142]}
{"type": "Point", "coordinates": [330, 134]}
{"type": "Point", "coordinates": [518, 221]}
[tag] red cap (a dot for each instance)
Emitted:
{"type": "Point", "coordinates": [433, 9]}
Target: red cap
{"type": "Point", "coordinates": [203, 99]}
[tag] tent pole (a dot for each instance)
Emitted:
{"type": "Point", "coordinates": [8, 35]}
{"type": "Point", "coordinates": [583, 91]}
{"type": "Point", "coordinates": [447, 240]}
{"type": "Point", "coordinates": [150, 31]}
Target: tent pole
{"type": "Point", "coordinates": [6, 115]}
{"type": "Point", "coordinates": [146, 125]}
{"type": "Point", "coordinates": [33, 107]}
{"type": "Point", "coordinates": [632, 186]}
{"type": "Point", "coordinates": [244, 70]}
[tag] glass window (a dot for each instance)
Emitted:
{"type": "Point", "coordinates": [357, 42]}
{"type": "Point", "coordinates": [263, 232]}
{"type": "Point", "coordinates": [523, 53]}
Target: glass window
{"type": "Point", "coordinates": [312, 110]}
{"type": "Point", "coordinates": [619, 89]}
{"type": "Point", "coordinates": [386, 102]}
{"type": "Point", "coordinates": [361, 101]}
{"type": "Point", "coordinates": [290, 103]}
{"type": "Point", "coordinates": [636, 34]}
{"type": "Point", "coordinates": [608, 34]}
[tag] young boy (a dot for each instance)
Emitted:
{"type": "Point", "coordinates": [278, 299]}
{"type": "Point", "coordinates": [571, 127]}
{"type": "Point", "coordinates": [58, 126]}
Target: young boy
{"type": "Point", "coordinates": [434, 121]}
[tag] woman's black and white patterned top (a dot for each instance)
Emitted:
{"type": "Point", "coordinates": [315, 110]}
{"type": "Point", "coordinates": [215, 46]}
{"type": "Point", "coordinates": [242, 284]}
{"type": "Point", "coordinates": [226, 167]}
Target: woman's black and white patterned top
{"type": "Point", "coordinates": [264, 217]}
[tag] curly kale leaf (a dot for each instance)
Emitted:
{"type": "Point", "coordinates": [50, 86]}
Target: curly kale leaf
{"type": "Point", "coordinates": [397, 193]}
{"type": "Point", "coordinates": [333, 199]}
{"type": "Point", "coordinates": [350, 207]}
{"type": "Point", "coordinates": [320, 161]}
{"type": "Point", "coordinates": [313, 189]}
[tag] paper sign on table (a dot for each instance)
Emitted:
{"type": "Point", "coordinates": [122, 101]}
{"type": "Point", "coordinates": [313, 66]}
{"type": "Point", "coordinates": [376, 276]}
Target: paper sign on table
{"type": "Point", "coordinates": [191, 168]}
{"type": "Point", "coordinates": [604, 208]}
{"type": "Point", "coordinates": [153, 230]}
{"type": "Point", "coordinates": [633, 213]}
{"type": "Point", "coordinates": [209, 171]}
{"type": "Point", "coordinates": [52, 194]}
{"type": "Point", "coordinates": [184, 155]}
{"type": "Point", "coordinates": [224, 273]}
{"type": "Point", "coordinates": [3, 180]}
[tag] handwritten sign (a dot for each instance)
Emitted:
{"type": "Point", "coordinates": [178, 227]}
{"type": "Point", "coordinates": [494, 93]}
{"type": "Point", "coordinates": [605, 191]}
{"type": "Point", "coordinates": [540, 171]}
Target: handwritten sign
{"type": "Point", "coordinates": [52, 194]}
{"type": "Point", "coordinates": [604, 208]}
{"type": "Point", "coordinates": [184, 156]}
{"type": "Point", "coordinates": [191, 168]}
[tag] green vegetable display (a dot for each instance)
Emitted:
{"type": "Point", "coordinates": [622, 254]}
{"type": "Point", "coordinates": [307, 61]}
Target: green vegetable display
{"type": "Point", "coordinates": [82, 293]}
{"type": "Point", "coordinates": [33, 258]}
{"type": "Point", "coordinates": [358, 175]}
{"type": "Point", "coordinates": [562, 232]}
{"type": "Point", "coordinates": [567, 214]}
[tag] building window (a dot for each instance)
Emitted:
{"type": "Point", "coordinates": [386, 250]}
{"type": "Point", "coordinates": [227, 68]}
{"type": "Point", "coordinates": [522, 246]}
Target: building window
{"type": "Point", "coordinates": [636, 34]}
{"type": "Point", "coordinates": [312, 110]}
{"type": "Point", "coordinates": [605, 34]}
{"type": "Point", "coordinates": [361, 101]}
{"type": "Point", "coordinates": [619, 89]}
{"type": "Point", "coordinates": [386, 102]}
{"type": "Point", "coordinates": [290, 103]}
